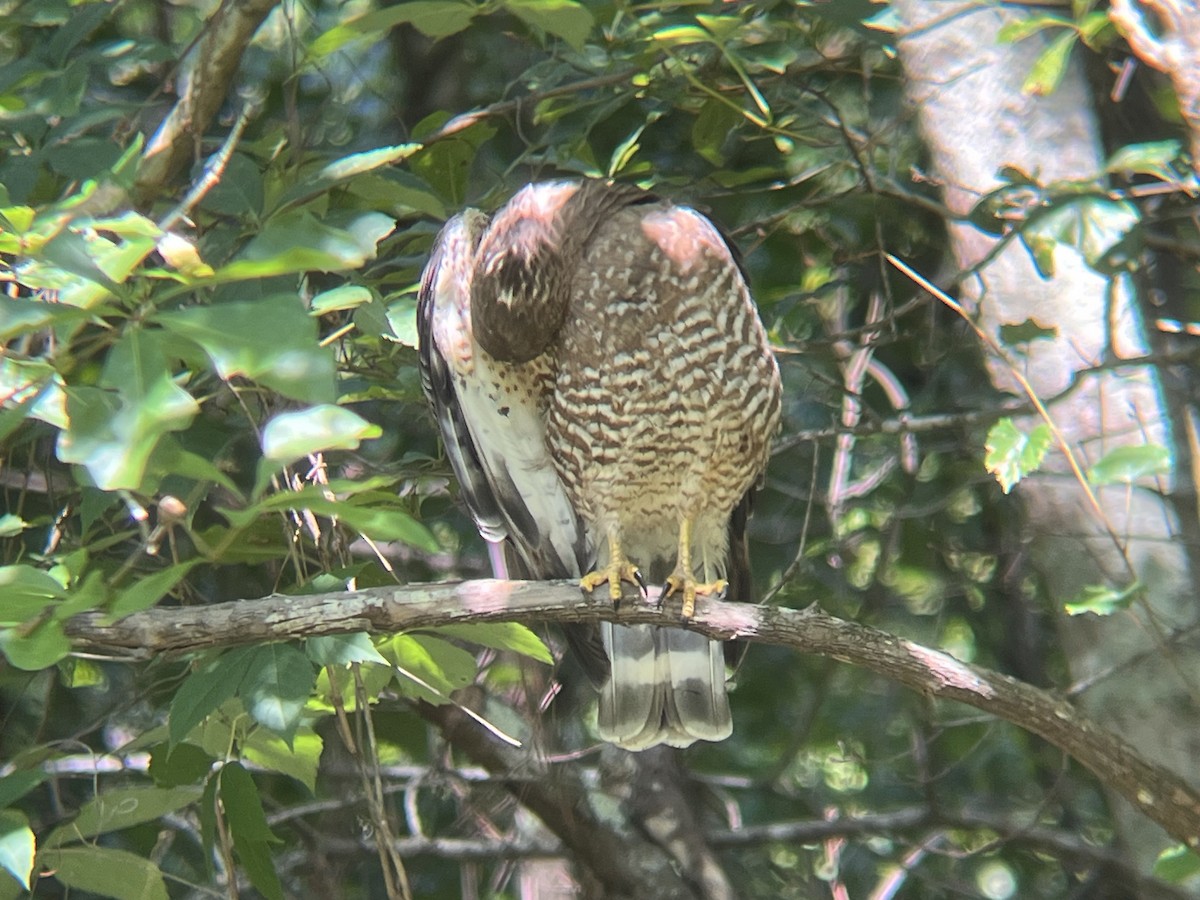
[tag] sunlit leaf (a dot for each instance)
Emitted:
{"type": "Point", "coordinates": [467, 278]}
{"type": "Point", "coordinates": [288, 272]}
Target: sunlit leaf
{"type": "Point", "coordinates": [501, 636]}
{"type": "Point", "coordinates": [276, 685]}
{"type": "Point", "coordinates": [1094, 226]}
{"type": "Point", "coordinates": [205, 689]}
{"type": "Point", "coordinates": [435, 18]}
{"type": "Point", "coordinates": [1020, 28]}
{"type": "Point", "coordinates": [291, 435]}
{"type": "Point", "coordinates": [566, 19]}
{"type": "Point", "coordinates": [1128, 464]}
{"type": "Point", "coordinates": [36, 648]}
{"type": "Point", "coordinates": [682, 34]}
{"type": "Point", "coordinates": [625, 151]}
{"type": "Point", "coordinates": [26, 591]}
{"type": "Point", "coordinates": [1048, 71]}
{"type": "Point", "coordinates": [299, 242]}
{"type": "Point", "coordinates": [342, 649]}
{"type": "Point", "coordinates": [346, 296]}
{"type": "Point", "coordinates": [1012, 454]}
{"type": "Point", "coordinates": [340, 170]}
{"type": "Point", "coordinates": [113, 429]}
{"type": "Point", "coordinates": [1102, 600]}
{"type": "Point", "coordinates": [1177, 864]}
{"type": "Point", "coordinates": [1155, 158]}
{"type": "Point", "coordinates": [384, 523]}
{"type": "Point", "coordinates": [17, 846]}
{"type": "Point", "coordinates": [432, 669]}
{"type": "Point", "coordinates": [272, 340]}
{"type": "Point", "coordinates": [299, 759]}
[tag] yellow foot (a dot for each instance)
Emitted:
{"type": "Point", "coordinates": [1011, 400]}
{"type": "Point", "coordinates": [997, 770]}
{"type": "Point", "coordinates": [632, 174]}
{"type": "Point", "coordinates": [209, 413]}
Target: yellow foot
{"type": "Point", "coordinates": [684, 581]}
{"type": "Point", "coordinates": [614, 573]}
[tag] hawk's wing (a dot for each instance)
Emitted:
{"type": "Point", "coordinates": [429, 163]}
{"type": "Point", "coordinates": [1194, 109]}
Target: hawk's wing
{"type": "Point", "coordinates": [490, 419]}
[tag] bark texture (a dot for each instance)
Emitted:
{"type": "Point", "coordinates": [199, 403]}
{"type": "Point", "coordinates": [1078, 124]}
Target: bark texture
{"type": "Point", "coordinates": [1161, 795]}
{"type": "Point", "coordinates": [967, 88]}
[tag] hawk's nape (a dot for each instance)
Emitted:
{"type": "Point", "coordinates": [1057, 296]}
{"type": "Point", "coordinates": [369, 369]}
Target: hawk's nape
{"type": "Point", "coordinates": [607, 395]}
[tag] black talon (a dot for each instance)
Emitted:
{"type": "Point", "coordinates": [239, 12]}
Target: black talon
{"type": "Point", "coordinates": [641, 582]}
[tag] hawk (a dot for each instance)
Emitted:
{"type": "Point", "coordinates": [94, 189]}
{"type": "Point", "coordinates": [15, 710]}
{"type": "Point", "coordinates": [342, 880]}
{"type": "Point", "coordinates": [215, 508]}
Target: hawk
{"type": "Point", "coordinates": [607, 396]}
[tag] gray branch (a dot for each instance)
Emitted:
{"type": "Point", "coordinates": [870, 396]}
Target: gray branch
{"type": "Point", "coordinates": [205, 86]}
{"type": "Point", "coordinates": [1160, 794]}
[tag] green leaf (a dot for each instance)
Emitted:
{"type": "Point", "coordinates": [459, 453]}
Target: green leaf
{"type": "Point", "coordinates": [712, 129]}
{"type": "Point", "coordinates": [243, 807]}
{"type": "Point", "coordinates": [385, 525]}
{"type": "Point", "coordinates": [1177, 864]}
{"type": "Point", "coordinates": [25, 592]}
{"type": "Point", "coordinates": [113, 432]}
{"type": "Point", "coordinates": [432, 668]}
{"type": "Point", "coordinates": [75, 672]}
{"type": "Point", "coordinates": [399, 192]}
{"type": "Point", "coordinates": [1011, 455]}
{"type": "Point", "coordinates": [434, 18]}
{"type": "Point", "coordinates": [276, 686]}
{"type": "Point", "coordinates": [109, 873]}
{"type": "Point", "coordinates": [562, 18]}
{"type": "Point", "coordinates": [17, 846]}
{"type": "Point", "coordinates": [300, 760]}
{"type": "Point", "coordinates": [501, 636]}
{"type": "Point", "coordinates": [183, 764]}
{"type": "Point", "coordinates": [378, 523]}
{"type": "Point", "coordinates": [1102, 600]}
{"type": "Point", "coordinates": [291, 435]}
{"type": "Point", "coordinates": [205, 689]}
{"type": "Point", "coordinates": [1019, 29]}
{"type": "Point", "coordinates": [1026, 332]}
{"type": "Point", "coordinates": [37, 649]}
{"type": "Point", "coordinates": [682, 34]}
{"type": "Point", "coordinates": [343, 169]}
{"type": "Point", "coordinates": [366, 161]}
{"type": "Point", "coordinates": [19, 316]}
{"type": "Point", "coordinates": [347, 296]}
{"type": "Point", "coordinates": [272, 340]}
{"type": "Point", "coordinates": [255, 857]}
{"type": "Point", "coordinates": [1154, 158]}
{"type": "Point", "coordinates": [402, 319]}
{"type": "Point", "coordinates": [149, 589]}
{"type": "Point", "coordinates": [112, 810]}
{"type": "Point", "coordinates": [1126, 465]}
{"type": "Point", "coordinates": [299, 242]}
{"type": "Point", "coordinates": [625, 151]}
{"type": "Point", "coordinates": [207, 813]}
{"type": "Point", "coordinates": [15, 786]}
{"type": "Point", "coordinates": [1048, 71]}
{"type": "Point", "coordinates": [374, 678]}
{"type": "Point", "coordinates": [249, 829]}
{"type": "Point", "coordinates": [1092, 225]}
{"type": "Point", "coordinates": [342, 649]}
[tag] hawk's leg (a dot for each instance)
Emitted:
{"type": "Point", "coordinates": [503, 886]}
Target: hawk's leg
{"type": "Point", "coordinates": [684, 577]}
{"type": "Point", "coordinates": [619, 569]}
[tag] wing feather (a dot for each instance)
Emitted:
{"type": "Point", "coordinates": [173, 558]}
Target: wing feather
{"type": "Point", "coordinates": [489, 416]}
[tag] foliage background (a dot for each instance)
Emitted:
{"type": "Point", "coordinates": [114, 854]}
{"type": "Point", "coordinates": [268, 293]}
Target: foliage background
{"type": "Point", "coordinates": [215, 397]}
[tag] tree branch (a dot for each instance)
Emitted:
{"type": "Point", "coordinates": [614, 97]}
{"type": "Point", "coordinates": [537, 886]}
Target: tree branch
{"type": "Point", "coordinates": [1161, 795]}
{"type": "Point", "coordinates": [202, 91]}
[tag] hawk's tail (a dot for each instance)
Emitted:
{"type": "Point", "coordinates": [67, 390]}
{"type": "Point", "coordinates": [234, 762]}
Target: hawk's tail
{"type": "Point", "coordinates": [667, 687]}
